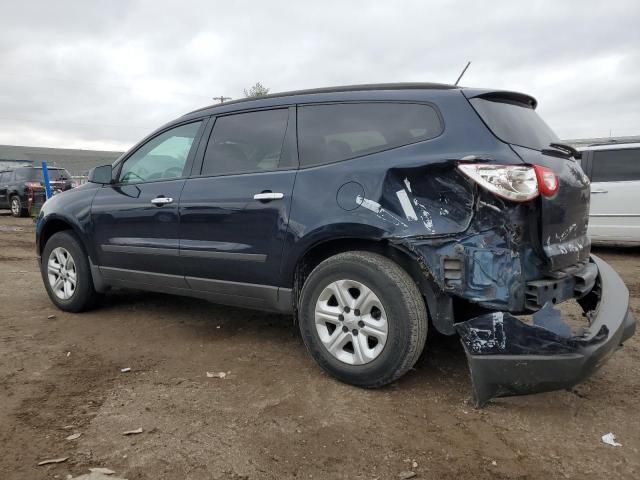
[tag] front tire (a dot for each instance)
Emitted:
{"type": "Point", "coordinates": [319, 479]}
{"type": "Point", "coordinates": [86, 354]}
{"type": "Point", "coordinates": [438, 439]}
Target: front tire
{"type": "Point", "coordinates": [66, 273]}
{"type": "Point", "coordinates": [362, 318]}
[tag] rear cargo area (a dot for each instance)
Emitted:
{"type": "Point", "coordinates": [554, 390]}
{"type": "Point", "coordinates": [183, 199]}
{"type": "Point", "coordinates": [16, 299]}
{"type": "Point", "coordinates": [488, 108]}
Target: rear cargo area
{"type": "Point", "coordinates": [562, 218]}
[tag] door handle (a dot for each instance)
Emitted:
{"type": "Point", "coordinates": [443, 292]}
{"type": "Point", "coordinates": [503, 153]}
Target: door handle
{"type": "Point", "coordinates": [599, 191]}
{"type": "Point", "coordinates": [162, 201]}
{"type": "Point", "coordinates": [268, 196]}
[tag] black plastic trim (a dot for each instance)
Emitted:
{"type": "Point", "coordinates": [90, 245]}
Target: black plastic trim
{"type": "Point", "coordinates": [249, 257]}
{"type": "Point", "coordinates": [246, 295]}
{"type": "Point", "coordinates": [136, 250]}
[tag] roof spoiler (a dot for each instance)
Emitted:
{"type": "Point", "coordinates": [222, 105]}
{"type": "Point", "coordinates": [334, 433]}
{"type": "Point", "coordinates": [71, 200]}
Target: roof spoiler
{"type": "Point", "coordinates": [505, 96]}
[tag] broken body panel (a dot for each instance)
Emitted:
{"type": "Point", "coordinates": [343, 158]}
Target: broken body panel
{"type": "Point", "coordinates": [477, 252]}
{"type": "Point", "coordinates": [508, 357]}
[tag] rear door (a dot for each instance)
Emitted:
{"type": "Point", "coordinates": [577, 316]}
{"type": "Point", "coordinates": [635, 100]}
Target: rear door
{"type": "Point", "coordinates": [136, 219]}
{"type": "Point", "coordinates": [615, 195]}
{"type": "Point", "coordinates": [235, 208]}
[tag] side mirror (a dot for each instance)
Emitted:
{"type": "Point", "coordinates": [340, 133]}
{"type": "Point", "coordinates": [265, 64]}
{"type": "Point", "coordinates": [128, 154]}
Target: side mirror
{"type": "Point", "coordinates": [102, 175]}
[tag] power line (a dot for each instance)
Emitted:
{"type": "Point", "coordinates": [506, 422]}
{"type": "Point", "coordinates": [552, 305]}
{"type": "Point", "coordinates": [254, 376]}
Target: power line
{"type": "Point", "coordinates": [222, 98]}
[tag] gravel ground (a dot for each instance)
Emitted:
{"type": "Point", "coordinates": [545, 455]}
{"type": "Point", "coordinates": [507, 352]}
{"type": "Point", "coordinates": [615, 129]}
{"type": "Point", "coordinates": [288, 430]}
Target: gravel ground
{"type": "Point", "coordinates": [275, 415]}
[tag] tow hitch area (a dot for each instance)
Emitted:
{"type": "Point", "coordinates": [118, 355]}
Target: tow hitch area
{"type": "Point", "coordinates": [508, 357]}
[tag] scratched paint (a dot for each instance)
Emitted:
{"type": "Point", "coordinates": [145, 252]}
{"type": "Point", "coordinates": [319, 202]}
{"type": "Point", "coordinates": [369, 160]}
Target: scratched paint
{"type": "Point", "coordinates": [485, 339]}
{"type": "Point", "coordinates": [421, 201]}
{"type": "Point", "coordinates": [407, 208]}
{"type": "Point", "coordinates": [380, 212]}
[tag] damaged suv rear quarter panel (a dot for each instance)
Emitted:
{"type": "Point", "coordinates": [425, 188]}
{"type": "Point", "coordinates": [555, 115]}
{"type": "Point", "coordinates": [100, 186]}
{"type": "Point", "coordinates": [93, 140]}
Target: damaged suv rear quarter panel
{"type": "Point", "coordinates": [415, 198]}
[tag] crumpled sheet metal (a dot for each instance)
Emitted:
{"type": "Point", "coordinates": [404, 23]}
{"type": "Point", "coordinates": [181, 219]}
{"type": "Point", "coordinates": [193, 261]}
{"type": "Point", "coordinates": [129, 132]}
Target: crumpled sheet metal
{"type": "Point", "coordinates": [422, 201]}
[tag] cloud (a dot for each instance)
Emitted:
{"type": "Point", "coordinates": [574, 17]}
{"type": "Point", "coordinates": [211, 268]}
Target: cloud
{"type": "Point", "coordinates": [103, 74]}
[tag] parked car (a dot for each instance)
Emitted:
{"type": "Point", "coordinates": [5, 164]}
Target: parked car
{"type": "Point", "coordinates": [614, 170]}
{"type": "Point", "coordinates": [23, 187]}
{"type": "Point", "coordinates": [367, 212]}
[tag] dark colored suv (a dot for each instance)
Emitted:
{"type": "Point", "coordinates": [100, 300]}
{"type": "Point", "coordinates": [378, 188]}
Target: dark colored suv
{"type": "Point", "coordinates": [23, 187]}
{"type": "Point", "coordinates": [370, 213]}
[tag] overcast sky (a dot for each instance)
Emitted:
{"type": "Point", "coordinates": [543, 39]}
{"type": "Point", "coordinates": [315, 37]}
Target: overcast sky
{"type": "Point", "coordinates": [102, 74]}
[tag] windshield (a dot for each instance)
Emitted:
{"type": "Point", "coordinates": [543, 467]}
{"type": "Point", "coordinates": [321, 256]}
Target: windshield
{"type": "Point", "coordinates": [515, 123]}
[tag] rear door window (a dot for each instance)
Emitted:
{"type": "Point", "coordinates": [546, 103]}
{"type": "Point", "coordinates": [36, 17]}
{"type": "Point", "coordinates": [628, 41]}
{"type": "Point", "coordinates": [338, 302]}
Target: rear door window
{"type": "Point", "coordinates": [22, 174]}
{"type": "Point", "coordinates": [615, 165]}
{"type": "Point", "coordinates": [246, 142]}
{"type": "Point", "coordinates": [332, 132]}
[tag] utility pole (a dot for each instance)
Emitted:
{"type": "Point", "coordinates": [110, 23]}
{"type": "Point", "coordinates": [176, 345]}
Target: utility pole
{"type": "Point", "coordinates": [463, 70]}
{"type": "Point", "coordinates": [221, 98]}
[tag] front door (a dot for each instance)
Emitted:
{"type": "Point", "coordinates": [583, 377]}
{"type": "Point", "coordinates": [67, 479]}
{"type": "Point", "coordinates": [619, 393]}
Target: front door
{"type": "Point", "coordinates": [234, 211]}
{"type": "Point", "coordinates": [615, 195]}
{"type": "Point", "coordinates": [4, 188]}
{"type": "Point", "coordinates": [136, 218]}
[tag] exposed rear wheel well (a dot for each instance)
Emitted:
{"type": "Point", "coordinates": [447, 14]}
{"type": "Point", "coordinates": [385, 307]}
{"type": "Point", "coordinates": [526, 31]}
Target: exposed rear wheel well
{"type": "Point", "coordinates": [320, 252]}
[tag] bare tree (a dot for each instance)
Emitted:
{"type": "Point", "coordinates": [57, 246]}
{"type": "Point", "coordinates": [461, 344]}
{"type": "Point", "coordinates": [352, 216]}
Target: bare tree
{"type": "Point", "coordinates": [258, 90]}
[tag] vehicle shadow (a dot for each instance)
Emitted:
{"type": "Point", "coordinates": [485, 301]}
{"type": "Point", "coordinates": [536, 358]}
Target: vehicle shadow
{"type": "Point", "coordinates": [442, 354]}
{"type": "Point", "coordinates": [615, 250]}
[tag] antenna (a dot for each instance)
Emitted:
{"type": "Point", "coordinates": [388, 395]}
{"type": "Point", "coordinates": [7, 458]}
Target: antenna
{"type": "Point", "coordinates": [461, 74]}
{"type": "Point", "coordinates": [222, 98]}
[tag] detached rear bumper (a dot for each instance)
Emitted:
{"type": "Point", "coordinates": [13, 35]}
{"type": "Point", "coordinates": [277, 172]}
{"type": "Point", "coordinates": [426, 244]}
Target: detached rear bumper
{"type": "Point", "coordinates": [508, 357]}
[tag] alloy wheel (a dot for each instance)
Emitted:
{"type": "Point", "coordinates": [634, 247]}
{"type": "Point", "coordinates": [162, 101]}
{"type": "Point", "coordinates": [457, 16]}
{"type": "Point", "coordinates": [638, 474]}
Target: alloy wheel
{"type": "Point", "coordinates": [62, 274]}
{"type": "Point", "coordinates": [15, 206]}
{"type": "Point", "coordinates": [351, 322]}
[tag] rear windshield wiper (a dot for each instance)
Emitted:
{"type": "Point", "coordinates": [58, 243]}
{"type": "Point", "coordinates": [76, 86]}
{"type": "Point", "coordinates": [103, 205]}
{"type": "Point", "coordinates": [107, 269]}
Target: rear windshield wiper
{"type": "Point", "coordinates": [562, 147]}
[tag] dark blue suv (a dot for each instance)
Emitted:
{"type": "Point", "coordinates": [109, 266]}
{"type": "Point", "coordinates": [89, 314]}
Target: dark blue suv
{"type": "Point", "coordinates": [370, 213]}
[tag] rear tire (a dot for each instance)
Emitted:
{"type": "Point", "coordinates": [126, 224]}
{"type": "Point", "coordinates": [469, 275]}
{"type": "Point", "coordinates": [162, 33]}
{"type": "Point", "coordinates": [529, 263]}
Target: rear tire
{"type": "Point", "coordinates": [66, 273]}
{"type": "Point", "coordinates": [16, 207]}
{"type": "Point", "coordinates": [371, 345]}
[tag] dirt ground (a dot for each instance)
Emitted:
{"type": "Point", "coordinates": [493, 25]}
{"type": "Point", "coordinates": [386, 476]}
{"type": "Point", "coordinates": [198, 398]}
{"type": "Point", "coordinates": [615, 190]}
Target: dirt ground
{"type": "Point", "coordinates": [275, 415]}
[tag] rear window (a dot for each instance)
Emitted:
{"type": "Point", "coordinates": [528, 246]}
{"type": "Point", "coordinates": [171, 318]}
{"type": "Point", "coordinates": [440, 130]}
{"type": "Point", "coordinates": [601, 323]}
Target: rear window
{"type": "Point", "coordinates": [55, 174]}
{"type": "Point", "coordinates": [22, 174]}
{"type": "Point", "coordinates": [334, 132]}
{"type": "Point", "coordinates": [515, 123]}
{"type": "Point", "coordinates": [616, 165]}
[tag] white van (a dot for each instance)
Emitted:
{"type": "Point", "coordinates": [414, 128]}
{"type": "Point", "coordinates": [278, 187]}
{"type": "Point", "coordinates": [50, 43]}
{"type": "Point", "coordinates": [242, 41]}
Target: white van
{"type": "Point", "coordinates": [614, 171]}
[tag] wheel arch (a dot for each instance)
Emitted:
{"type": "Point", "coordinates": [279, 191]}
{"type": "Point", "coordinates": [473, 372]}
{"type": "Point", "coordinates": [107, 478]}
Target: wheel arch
{"type": "Point", "coordinates": [329, 247]}
{"type": "Point", "coordinates": [440, 306]}
{"type": "Point", "coordinates": [52, 225]}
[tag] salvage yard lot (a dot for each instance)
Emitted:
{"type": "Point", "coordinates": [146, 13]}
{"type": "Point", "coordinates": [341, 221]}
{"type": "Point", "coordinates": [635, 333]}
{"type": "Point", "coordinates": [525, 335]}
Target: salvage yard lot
{"type": "Point", "coordinates": [275, 414]}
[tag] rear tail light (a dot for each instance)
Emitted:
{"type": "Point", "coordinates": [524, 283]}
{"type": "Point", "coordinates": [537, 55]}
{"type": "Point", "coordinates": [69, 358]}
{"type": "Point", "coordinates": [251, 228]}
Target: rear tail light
{"type": "Point", "coordinates": [547, 181]}
{"type": "Point", "coordinates": [513, 182]}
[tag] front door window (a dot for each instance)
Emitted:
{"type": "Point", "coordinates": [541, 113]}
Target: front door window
{"type": "Point", "coordinates": [162, 158]}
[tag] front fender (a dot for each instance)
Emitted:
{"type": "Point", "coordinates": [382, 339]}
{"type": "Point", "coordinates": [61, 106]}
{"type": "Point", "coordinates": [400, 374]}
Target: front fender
{"type": "Point", "coordinates": [70, 209]}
